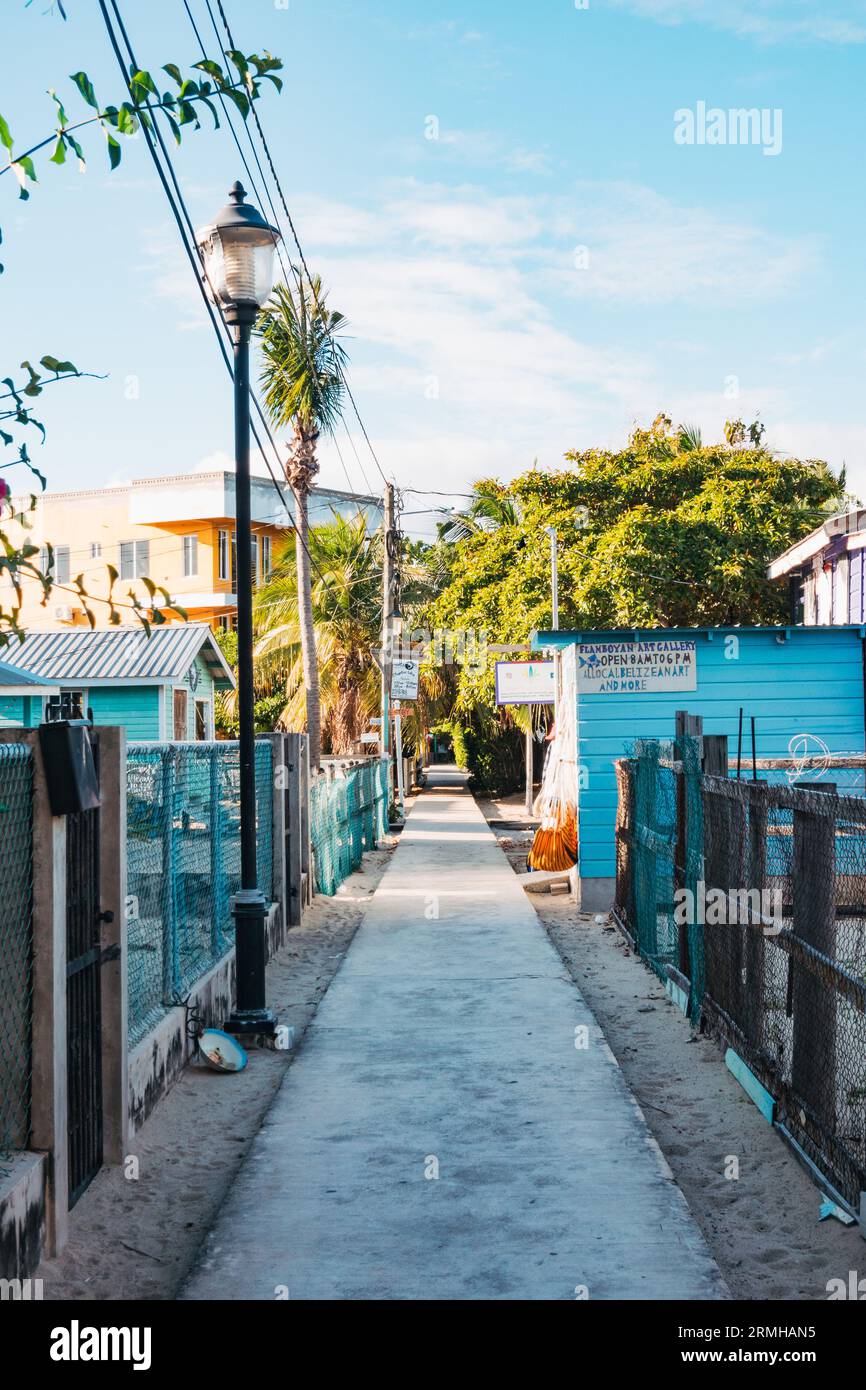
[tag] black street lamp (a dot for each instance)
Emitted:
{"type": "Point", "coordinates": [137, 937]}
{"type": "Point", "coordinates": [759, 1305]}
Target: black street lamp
{"type": "Point", "coordinates": [237, 252]}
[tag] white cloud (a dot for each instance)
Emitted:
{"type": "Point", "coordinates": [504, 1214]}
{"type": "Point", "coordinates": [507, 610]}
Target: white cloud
{"type": "Point", "coordinates": [644, 248]}
{"type": "Point", "coordinates": [767, 21]}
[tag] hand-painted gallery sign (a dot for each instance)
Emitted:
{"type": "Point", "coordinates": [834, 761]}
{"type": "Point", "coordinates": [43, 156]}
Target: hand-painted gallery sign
{"type": "Point", "coordinates": [638, 668]}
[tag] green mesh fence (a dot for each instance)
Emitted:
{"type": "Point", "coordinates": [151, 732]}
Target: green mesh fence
{"type": "Point", "coordinates": [183, 865]}
{"type": "Point", "coordinates": [16, 943]}
{"type": "Point", "coordinates": [348, 814]}
{"type": "Point", "coordinates": [660, 852]}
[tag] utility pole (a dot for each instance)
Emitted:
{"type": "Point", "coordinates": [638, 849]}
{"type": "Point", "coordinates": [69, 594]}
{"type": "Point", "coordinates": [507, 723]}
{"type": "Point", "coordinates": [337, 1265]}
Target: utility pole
{"type": "Point", "coordinates": [387, 605]}
{"type": "Point", "coordinates": [554, 577]}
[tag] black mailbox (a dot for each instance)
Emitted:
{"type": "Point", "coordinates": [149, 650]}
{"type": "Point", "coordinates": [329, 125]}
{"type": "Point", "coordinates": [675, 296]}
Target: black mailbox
{"type": "Point", "coordinates": [70, 768]}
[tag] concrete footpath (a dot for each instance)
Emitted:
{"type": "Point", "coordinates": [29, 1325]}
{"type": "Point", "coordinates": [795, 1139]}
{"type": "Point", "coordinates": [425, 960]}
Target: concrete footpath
{"type": "Point", "coordinates": [440, 1135]}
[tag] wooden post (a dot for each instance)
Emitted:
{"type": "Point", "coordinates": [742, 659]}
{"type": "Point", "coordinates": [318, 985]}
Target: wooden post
{"type": "Point", "coordinates": [529, 746]}
{"type": "Point", "coordinates": [306, 848]}
{"type": "Point", "coordinates": [48, 1108]}
{"type": "Point", "coordinates": [279, 773]}
{"type": "Point", "coordinates": [813, 1060]}
{"type": "Point", "coordinates": [114, 991]}
{"type": "Point", "coordinates": [687, 726]}
{"type": "Point", "coordinates": [293, 833]}
{"type": "Point", "coordinates": [715, 755]}
{"type": "Point", "coordinates": [170, 966]}
{"type": "Point", "coordinates": [756, 858]}
{"type": "Point", "coordinates": [646, 816]}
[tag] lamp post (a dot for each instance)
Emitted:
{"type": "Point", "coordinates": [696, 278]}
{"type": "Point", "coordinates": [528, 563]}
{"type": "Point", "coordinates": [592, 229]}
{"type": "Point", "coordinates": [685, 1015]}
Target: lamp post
{"type": "Point", "coordinates": [237, 251]}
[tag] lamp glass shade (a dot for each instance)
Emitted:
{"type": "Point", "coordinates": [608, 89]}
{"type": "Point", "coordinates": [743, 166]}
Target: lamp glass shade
{"type": "Point", "coordinates": [239, 263]}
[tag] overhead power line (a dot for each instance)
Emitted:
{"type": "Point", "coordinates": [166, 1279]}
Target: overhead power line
{"type": "Point", "coordinates": [291, 224]}
{"type": "Point", "coordinates": [180, 212]}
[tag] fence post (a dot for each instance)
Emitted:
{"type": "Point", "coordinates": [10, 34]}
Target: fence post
{"type": "Point", "coordinates": [279, 823]}
{"type": "Point", "coordinates": [293, 831]}
{"type": "Point", "coordinates": [114, 992]}
{"type": "Point", "coordinates": [306, 847]}
{"type": "Point", "coordinates": [219, 897]}
{"type": "Point", "coordinates": [169, 868]}
{"type": "Point", "coordinates": [686, 726]}
{"type": "Point", "coordinates": [646, 815]}
{"type": "Point", "coordinates": [48, 1109]}
{"type": "Point", "coordinates": [758, 795]}
{"type": "Point", "coordinates": [813, 1058]}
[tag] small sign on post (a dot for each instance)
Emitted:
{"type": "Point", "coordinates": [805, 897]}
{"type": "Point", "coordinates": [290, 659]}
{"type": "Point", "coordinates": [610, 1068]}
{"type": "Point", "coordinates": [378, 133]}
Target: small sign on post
{"type": "Point", "coordinates": [525, 682]}
{"type": "Point", "coordinates": [404, 680]}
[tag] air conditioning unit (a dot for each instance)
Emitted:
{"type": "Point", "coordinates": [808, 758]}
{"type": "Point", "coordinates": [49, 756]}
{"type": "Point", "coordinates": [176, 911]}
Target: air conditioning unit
{"type": "Point", "coordinates": [63, 613]}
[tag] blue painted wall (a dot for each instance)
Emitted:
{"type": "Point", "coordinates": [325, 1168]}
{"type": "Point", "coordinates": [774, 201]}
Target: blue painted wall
{"type": "Point", "coordinates": [23, 710]}
{"type": "Point", "coordinates": [809, 683]}
{"type": "Point", "coordinates": [134, 707]}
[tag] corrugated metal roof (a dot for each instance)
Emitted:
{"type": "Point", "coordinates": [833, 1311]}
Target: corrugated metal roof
{"type": "Point", "coordinates": [119, 653]}
{"type": "Point", "coordinates": [15, 676]}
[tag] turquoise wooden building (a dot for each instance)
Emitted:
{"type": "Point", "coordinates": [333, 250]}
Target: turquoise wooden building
{"type": "Point", "coordinates": [795, 681]}
{"type": "Point", "coordinates": [23, 697]}
{"type": "Point", "coordinates": [160, 687]}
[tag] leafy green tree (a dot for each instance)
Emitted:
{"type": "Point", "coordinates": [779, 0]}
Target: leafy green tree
{"type": "Point", "coordinates": [302, 376]}
{"type": "Point", "coordinates": [666, 532]}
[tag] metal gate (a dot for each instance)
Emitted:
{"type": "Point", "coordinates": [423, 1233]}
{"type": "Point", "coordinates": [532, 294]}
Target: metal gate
{"type": "Point", "coordinates": [83, 998]}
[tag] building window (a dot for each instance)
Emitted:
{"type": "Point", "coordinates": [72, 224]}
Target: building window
{"type": "Point", "coordinates": [69, 704]}
{"type": "Point", "coordinates": [134, 559]}
{"type": "Point", "coordinates": [254, 560]}
{"type": "Point", "coordinates": [222, 554]}
{"type": "Point", "coordinates": [202, 720]}
{"type": "Point", "coordinates": [61, 564]}
{"type": "Point", "coordinates": [60, 571]}
{"type": "Point", "coordinates": [266, 559]}
{"type": "Point", "coordinates": [96, 550]}
{"type": "Point", "coordinates": [190, 556]}
{"type": "Point", "coordinates": [227, 622]}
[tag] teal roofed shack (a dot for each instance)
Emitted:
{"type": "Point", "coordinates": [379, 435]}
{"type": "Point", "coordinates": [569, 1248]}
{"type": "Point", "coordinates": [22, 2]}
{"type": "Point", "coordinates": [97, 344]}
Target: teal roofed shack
{"type": "Point", "coordinates": [157, 686]}
{"type": "Point", "coordinates": [795, 681]}
{"type": "Point", "coordinates": [22, 696]}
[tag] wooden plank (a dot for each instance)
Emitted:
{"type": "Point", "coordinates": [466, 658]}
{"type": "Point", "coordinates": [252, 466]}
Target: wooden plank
{"type": "Point", "coordinates": [751, 1085]}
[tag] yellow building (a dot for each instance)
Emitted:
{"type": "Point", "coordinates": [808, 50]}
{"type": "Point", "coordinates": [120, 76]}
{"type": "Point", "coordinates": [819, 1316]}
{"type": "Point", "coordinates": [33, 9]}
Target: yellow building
{"type": "Point", "coordinates": [178, 531]}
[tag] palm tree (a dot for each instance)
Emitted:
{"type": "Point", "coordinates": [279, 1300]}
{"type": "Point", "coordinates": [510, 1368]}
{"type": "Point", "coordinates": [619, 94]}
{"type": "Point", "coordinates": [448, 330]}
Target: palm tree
{"type": "Point", "coordinates": [490, 507]}
{"type": "Point", "coordinates": [302, 377]}
{"type": "Point", "coordinates": [346, 609]}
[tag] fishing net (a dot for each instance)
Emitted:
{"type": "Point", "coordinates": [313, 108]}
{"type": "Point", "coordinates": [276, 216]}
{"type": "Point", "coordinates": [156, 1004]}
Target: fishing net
{"type": "Point", "coordinates": [555, 844]}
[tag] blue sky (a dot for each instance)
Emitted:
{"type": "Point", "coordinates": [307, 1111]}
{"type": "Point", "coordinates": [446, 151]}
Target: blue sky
{"type": "Point", "coordinates": [493, 193]}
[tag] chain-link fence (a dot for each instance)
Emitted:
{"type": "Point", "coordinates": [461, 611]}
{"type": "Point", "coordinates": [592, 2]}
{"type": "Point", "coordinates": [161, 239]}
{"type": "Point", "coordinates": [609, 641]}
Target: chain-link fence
{"type": "Point", "coordinates": [786, 962]}
{"type": "Point", "coordinates": [348, 814]}
{"type": "Point", "coordinates": [16, 943]}
{"type": "Point", "coordinates": [183, 864]}
{"type": "Point", "coordinates": [751, 895]}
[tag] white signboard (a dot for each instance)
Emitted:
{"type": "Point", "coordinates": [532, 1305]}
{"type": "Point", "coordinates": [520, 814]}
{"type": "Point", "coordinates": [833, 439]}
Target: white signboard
{"type": "Point", "coordinates": [525, 682]}
{"type": "Point", "coordinates": [636, 668]}
{"type": "Point", "coordinates": [404, 680]}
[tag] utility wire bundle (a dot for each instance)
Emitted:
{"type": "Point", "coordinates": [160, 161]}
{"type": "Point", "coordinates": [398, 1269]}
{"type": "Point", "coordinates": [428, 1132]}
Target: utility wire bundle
{"type": "Point", "coordinates": [555, 844]}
